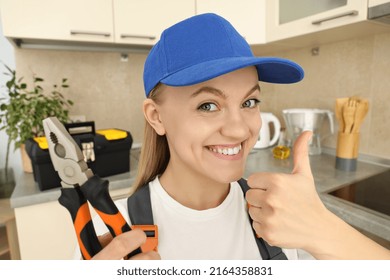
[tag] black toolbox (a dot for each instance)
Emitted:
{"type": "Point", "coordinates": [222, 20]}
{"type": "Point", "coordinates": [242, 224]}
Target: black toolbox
{"type": "Point", "coordinates": [107, 152]}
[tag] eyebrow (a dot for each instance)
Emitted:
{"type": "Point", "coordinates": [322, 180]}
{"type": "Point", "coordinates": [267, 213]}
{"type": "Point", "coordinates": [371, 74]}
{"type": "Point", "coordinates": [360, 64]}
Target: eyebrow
{"type": "Point", "coordinates": [220, 93]}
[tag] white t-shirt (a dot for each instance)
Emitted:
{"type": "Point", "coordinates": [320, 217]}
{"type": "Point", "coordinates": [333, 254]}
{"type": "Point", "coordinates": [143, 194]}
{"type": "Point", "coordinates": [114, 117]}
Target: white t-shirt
{"type": "Point", "coordinates": [221, 233]}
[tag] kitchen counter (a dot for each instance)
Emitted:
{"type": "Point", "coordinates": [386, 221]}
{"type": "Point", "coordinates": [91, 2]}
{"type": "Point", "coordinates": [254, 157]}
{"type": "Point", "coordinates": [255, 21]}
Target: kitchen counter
{"type": "Point", "coordinates": [27, 195]}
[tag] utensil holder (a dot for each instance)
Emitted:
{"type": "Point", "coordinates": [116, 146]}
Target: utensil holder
{"type": "Point", "coordinates": [347, 151]}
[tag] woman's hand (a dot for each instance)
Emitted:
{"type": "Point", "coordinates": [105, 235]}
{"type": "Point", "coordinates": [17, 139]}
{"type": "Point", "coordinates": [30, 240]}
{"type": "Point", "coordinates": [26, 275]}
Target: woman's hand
{"type": "Point", "coordinates": [287, 212]}
{"type": "Point", "coordinates": [286, 208]}
{"type": "Point", "coordinates": [119, 247]}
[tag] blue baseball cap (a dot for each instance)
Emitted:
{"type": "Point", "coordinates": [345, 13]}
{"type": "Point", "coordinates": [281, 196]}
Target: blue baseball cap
{"type": "Point", "coordinates": [206, 46]}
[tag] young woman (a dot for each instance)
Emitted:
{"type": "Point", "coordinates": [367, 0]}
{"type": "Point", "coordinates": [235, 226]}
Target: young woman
{"type": "Point", "coordinates": [202, 120]}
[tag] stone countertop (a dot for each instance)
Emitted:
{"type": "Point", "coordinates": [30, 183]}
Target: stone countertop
{"type": "Point", "coordinates": [326, 177]}
{"type": "Point", "coordinates": [27, 192]}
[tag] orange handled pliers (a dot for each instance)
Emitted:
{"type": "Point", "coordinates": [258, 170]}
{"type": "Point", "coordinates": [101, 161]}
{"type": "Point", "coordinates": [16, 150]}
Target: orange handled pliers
{"type": "Point", "coordinates": [80, 185]}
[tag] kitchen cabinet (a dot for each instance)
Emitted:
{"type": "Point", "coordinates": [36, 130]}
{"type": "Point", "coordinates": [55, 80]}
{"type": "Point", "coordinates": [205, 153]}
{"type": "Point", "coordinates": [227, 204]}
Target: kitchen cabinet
{"type": "Point", "coordinates": [71, 20]}
{"type": "Point", "coordinates": [379, 10]}
{"type": "Point", "coordinates": [248, 17]}
{"type": "Point", "coordinates": [141, 22]}
{"type": "Point", "coordinates": [9, 246]}
{"type": "Point", "coordinates": [268, 26]}
{"type": "Point", "coordinates": [287, 19]}
{"type": "Point", "coordinates": [4, 251]}
{"type": "Point", "coordinates": [132, 22]}
{"type": "Point", "coordinates": [372, 3]}
{"type": "Point", "coordinates": [51, 236]}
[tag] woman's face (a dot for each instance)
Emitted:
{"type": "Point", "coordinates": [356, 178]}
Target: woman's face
{"type": "Point", "coordinates": [212, 126]}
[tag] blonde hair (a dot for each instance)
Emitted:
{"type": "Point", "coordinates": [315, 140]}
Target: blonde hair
{"type": "Point", "coordinates": [155, 154]}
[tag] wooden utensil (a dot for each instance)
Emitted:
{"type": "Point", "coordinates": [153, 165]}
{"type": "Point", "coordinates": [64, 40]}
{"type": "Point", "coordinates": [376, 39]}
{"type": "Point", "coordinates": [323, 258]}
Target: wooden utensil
{"type": "Point", "coordinates": [361, 112]}
{"type": "Point", "coordinates": [349, 110]}
{"type": "Point", "coordinates": [339, 112]}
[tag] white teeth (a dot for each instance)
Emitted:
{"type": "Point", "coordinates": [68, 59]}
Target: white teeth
{"type": "Point", "coordinates": [227, 151]}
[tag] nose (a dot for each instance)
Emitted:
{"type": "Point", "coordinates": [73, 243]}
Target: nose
{"type": "Point", "coordinates": [236, 125]}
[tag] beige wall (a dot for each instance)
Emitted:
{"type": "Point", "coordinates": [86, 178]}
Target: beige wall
{"type": "Point", "coordinates": [104, 89]}
{"type": "Point", "coordinates": [343, 69]}
{"type": "Point", "coordinates": [110, 92]}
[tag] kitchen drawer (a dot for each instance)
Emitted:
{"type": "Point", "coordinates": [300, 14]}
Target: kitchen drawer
{"type": "Point", "coordinates": [72, 20]}
{"type": "Point", "coordinates": [248, 17]}
{"type": "Point", "coordinates": [142, 22]}
{"type": "Point", "coordinates": [102, 22]}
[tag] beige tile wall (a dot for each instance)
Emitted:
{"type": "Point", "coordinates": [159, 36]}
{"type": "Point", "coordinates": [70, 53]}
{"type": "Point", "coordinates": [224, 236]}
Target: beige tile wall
{"type": "Point", "coordinates": [354, 67]}
{"type": "Point", "coordinates": [110, 92]}
{"type": "Point", "coordinates": [104, 89]}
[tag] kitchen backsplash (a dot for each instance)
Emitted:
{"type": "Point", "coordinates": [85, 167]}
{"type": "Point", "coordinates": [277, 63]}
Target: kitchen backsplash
{"type": "Point", "coordinates": [353, 67]}
{"type": "Point", "coordinates": [110, 91]}
{"type": "Point", "coordinates": [103, 88]}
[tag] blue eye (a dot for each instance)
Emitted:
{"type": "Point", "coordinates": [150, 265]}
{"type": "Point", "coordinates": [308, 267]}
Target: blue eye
{"type": "Point", "coordinates": [208, 107]}
{"type": "Point", "coordinates": [250, 103]}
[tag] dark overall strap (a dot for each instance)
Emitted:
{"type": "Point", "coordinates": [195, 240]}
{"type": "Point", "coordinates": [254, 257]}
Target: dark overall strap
{"type": "Point", "coordinates": [140, 213]}
{"type": "Point", "coordinates": [140, 207]}
{"type": "Point", "coordinates": [267, 251]}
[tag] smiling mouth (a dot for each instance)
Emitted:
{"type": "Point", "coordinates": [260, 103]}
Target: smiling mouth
{"type": "Point", "coordinates": [231, 151]}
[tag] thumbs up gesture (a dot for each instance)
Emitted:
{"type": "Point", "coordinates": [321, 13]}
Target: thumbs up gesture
{"type": "Point", "coordinates": [287, 212]}
{"type": "Point", "coordinates": [286, 208]}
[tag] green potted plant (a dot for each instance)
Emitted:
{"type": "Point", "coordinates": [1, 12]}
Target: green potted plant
{"type": "Point", "coordinates": [22, 111]}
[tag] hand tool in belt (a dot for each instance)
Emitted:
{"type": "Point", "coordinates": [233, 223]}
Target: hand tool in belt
{"type": "Point", "coordinates": [80, 185]}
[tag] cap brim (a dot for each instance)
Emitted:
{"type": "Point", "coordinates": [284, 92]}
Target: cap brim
{"type": "Point", "coordinates": [270, 69]}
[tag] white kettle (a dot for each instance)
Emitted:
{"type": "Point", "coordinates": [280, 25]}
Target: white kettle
{"type": "Point", "coordinates": [265, 140]}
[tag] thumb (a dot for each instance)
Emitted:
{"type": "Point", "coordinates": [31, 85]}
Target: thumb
{"type": "Point", "coordinates": [301, 154]}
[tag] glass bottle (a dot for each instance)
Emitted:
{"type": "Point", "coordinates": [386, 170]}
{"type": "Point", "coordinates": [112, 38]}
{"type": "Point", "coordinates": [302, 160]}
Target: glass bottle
{"type": "Point", "coordinates": [282, 149]}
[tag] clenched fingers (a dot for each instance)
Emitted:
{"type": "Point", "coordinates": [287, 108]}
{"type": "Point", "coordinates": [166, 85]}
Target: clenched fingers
{"type": "Point", "coordinates": [105, 239]}
{"type": "Point", "coordinates": [152, 255]}
{"type": "Point", "coordinates": [121, 245]}
{"type": "Point", "coordinates": [259, 210]}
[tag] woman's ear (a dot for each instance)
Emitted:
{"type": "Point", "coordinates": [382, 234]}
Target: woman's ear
{"type": "Point", "coordinates": [152, 116]}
